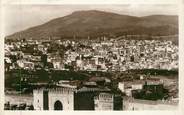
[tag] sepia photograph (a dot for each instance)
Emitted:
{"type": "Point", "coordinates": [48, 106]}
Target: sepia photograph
{"type": "Point", "coordinates": [121, 57]}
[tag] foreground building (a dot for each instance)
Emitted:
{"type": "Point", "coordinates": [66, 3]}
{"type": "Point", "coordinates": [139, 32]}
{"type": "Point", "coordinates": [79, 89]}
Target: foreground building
{"type": "Point", "coordinates": [75, 99]}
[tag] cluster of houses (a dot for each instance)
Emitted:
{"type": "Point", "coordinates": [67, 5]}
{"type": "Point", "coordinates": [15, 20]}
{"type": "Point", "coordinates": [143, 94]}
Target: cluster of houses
{"type": "Point", "coordinates": [105, 55]}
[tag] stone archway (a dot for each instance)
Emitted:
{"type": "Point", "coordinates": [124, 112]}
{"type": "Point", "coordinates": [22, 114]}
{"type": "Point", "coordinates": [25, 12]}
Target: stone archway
{"type": "Point", "coordinates": [58, 105]}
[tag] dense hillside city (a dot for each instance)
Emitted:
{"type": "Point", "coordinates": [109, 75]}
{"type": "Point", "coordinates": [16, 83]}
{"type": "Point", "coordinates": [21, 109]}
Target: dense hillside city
{"type": "Point", "coordinates": [130, 68]}
{"type": "Point", "coordinates": [94, 55]}
{"type": "Point", "coordinates": [94, 60]}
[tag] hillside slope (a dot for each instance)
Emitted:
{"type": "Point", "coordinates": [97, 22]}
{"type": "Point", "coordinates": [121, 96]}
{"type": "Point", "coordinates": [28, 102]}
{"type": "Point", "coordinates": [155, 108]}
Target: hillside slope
{"type": "Point", "coordinates": [82, 24]}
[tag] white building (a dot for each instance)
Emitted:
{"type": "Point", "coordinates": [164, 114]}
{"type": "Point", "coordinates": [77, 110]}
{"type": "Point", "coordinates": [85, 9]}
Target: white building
{"type": "Point", "coordinates": [25, 64]}
{"type": "Point", "coordinates": [104, 101]}
{"type": "Point", "coordinates": [53, 99]}
{"type": "Point", "coordinates": [121, 86]}
{"type": "Point", "coordinates": [127, 87]}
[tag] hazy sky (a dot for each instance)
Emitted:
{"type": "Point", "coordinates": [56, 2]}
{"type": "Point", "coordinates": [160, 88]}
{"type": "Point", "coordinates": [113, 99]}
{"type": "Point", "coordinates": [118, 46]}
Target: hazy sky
{"type": "Point", "coordinates": [20, 17]}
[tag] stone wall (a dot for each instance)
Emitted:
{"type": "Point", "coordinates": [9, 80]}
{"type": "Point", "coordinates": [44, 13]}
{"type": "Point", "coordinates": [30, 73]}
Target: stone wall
{"type": "Point", "coordinates": [64, 95]}
{"type": "Point", "coordinates": [104, 101]}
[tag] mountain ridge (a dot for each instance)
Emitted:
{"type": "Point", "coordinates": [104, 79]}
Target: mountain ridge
{"type": "Point", "coordinates": [96, 23]}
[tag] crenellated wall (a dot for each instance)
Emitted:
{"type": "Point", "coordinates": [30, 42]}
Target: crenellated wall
{"type": "Point", "coordinates": [104, 101]}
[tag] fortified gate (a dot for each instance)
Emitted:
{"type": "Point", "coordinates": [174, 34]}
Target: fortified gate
{"type": "Point", "coordinates": [74, 99]}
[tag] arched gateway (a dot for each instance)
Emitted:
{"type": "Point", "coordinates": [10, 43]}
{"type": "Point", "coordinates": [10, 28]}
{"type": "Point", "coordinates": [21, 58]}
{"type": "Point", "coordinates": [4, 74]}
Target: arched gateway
{"type": "Point", "coordinates": [54, 99]}
{"type": "Point", "coordinates": [58, 105]}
